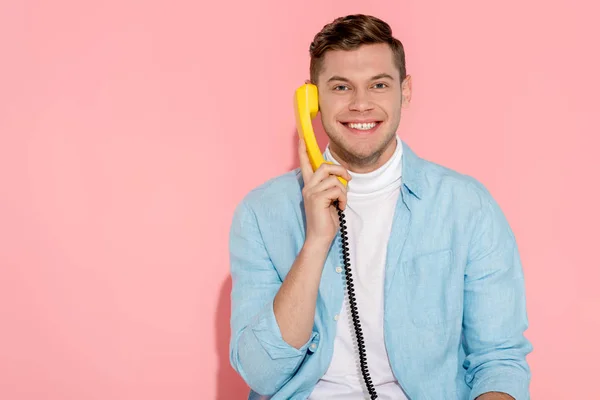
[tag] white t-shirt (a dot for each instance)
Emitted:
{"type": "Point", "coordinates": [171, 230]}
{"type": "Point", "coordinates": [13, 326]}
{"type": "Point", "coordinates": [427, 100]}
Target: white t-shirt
{"type": "Point", "coordinates": [371, 203]}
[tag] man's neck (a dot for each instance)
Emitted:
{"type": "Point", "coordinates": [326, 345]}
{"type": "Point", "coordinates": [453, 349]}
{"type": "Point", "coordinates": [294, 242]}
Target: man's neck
{"type": "Point", "coordinates": [383, 179]}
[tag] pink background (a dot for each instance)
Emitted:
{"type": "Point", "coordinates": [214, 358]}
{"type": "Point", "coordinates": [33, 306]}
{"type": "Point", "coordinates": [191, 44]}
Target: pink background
{"type": "Point", "coordinates": [129, 130]}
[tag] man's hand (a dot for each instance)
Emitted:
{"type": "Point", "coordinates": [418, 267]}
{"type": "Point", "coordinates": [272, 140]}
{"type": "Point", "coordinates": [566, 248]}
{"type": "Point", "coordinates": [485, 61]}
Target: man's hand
{"type": "Point", "coordinates": [494, 396]}
{"type": "Point", "coordinates": [321, 189]}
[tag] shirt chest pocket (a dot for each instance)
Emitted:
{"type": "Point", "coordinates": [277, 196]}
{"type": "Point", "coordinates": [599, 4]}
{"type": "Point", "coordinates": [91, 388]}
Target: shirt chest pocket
{"type": "Point", "coordinates": [433, 289]}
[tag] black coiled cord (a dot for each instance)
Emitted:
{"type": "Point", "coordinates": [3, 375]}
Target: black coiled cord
{"type": "Point", "coordinates": [353, 307]}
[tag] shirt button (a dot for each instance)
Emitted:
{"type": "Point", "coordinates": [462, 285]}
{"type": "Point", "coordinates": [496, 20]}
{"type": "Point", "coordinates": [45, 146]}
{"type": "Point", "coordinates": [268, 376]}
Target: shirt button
{"type": "Point", "coordinates": [338, 270]}
{"type": "Point", "coordinates": [313, 346]}
{"type": "Point", "coordinates": [336, 317]}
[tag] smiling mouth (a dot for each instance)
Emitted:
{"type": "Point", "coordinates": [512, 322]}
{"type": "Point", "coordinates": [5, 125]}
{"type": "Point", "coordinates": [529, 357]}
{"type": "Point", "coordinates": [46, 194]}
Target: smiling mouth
{"type": "Point", "coordinates": [362, 127]}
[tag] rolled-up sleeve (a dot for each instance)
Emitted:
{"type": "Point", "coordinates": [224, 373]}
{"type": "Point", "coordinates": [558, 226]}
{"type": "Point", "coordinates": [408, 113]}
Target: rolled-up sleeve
{"type": "Point", "coordinates": [257, 350]}
{"type": "Point", "coordinates": [495, 316]}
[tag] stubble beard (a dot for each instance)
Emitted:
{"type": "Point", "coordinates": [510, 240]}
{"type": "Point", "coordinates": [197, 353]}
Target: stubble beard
{"type": "Point", "coordinates": [343, 151]}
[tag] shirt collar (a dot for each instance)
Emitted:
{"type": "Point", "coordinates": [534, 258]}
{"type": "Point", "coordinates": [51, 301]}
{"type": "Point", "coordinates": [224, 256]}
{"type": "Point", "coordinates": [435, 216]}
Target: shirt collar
{"type": "Point", "coordinates": [412, 171]}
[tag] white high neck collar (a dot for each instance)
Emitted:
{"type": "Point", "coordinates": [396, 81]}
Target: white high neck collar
{"type": "Point", "coordinates": [384, 179]}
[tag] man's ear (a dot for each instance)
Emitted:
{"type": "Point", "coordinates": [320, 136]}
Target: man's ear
{"type": "Point", "coordinates": [406, 91]}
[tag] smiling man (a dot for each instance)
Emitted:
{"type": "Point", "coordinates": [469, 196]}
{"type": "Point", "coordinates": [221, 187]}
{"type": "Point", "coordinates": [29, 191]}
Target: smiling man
{"type": "Point", "coordinates": [436, 270]}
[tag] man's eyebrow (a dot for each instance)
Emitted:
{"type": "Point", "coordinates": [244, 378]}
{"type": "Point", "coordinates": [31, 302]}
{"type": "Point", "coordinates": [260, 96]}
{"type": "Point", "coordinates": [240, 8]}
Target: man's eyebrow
{"type": "Point", "coordinates": [338, 78]}
{"type": "Point", "coordinates": [374, 78]}
{"type": "Point", "coordinates": [381, 76]}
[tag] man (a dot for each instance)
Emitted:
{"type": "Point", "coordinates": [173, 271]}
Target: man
{"type": "Point", "coordinates": [437, 274]}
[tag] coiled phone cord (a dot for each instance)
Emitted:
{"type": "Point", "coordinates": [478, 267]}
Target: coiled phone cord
{"type": "Point", "coordinates": [353, 307]}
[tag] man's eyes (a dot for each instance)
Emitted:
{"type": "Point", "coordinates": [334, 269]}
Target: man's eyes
{"type": "Point", "coordinates": [380, 85]}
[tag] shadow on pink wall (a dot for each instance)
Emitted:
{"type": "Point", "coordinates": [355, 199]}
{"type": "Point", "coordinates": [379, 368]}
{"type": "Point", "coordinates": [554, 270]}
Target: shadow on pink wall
{"type": "Point", "coordinates": [229, 384]}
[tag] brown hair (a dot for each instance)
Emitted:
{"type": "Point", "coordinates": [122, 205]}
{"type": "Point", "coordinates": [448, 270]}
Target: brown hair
{"type": "Point", "coordinates": [349, 33]}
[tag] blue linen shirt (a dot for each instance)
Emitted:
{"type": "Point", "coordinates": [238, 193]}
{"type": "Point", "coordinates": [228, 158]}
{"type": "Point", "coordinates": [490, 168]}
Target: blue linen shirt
{"type": "Point", "coordinates": [454, 296]}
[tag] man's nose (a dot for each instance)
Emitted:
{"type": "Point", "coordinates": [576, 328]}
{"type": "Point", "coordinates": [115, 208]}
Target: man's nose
{"type": "Point", "coordinates": [361, 101]}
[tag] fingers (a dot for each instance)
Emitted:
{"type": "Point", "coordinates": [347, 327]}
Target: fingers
{"type": "Point", "coordinates": [323, 180]}
{"type": "Point", "coordinates": [325, 171]}
{"type": "Point", "coordinates": [335, 193]}
{"type": "Point", "coordinates": [326, 192]}
{"type": "Point", "coordinates": [327, 183]}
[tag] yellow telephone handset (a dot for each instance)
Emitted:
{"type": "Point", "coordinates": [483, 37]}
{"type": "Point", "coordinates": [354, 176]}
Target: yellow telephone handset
{"type": "Point", "coordinates": [306, 107]}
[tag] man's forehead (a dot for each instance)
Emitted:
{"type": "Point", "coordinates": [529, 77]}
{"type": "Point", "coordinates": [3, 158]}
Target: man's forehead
{"type": "Point", "coordinates": [362, 63]}
{"type": "Point", "coordinates": [359, 76]}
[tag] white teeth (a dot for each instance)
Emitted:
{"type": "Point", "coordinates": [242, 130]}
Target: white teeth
{"type": "Point", "coordinates": [362, 126]}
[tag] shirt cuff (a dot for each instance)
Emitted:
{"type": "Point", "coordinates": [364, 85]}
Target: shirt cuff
{"type": "Point", "coordinates": [512, 384]}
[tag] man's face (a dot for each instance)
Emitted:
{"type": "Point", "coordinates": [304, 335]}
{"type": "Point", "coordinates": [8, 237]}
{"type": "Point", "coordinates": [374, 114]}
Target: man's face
{"type": "Point", "coordinates": [360, 99]}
